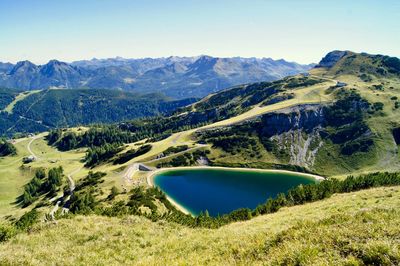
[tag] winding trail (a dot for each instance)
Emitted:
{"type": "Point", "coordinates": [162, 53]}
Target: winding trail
{"type": "Point", "coordinates": [28, 147]}
{"type": "Point", "coordinates": [71, 181]}
{"type": "Point", "coordinates": [65, 198]}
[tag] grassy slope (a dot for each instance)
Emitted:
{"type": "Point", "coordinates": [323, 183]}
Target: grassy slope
{"type": "Point", "coordinates": [19, 97]}
{"type": "Point", "coordinates": [386, 155]}
{"type": "Point", "coordinates": [12, 178]}
{"type": "Point", "coordinates": [14, 175]}
{"type": "Point", "coordinates": [333, 231]}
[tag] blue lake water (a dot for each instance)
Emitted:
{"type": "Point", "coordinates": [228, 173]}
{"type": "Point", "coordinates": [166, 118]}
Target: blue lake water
{"type": "Point", "coordinates": [220, 191]}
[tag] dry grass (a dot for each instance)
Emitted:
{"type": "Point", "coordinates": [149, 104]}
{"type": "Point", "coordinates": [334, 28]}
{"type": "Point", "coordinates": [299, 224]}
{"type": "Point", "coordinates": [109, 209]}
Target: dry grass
{"type": "Point", "coordinates": [292, 235]}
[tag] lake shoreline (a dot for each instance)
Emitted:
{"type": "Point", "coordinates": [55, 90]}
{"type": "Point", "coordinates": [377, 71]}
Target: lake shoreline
{"type": "Point", "coordinates": [152, 174]}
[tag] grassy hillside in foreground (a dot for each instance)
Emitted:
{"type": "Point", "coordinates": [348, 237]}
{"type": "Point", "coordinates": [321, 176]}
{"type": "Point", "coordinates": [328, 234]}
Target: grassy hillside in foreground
{"type": "Point", "coordinates": [354, 228]}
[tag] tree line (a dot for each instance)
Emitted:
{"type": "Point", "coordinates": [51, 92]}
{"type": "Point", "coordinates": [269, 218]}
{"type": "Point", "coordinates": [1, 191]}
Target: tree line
{"type": "Point", "coordinates": [129, 155]}
{"type": "Point", "coordinates": [98, 154]}
{"type": "Point", "coordinates": [95, 136]}
{"type": "Point", "coordinates": [41, 184]}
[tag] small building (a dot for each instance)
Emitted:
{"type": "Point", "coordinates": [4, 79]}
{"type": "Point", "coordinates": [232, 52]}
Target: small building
{"type": "Point", "coordinates": [29, 159]}
{"type": "Point", "coordinates": [143, 167]}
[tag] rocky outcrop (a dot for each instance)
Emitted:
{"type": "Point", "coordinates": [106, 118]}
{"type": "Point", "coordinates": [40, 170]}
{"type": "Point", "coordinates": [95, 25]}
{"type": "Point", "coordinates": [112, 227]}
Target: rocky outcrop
{"type": "Point", "coordinates": [296, 131]}
{"type": "Point", "coordinates": [331, 59]}
{"type": "Point", "coordinates": [304, 117]}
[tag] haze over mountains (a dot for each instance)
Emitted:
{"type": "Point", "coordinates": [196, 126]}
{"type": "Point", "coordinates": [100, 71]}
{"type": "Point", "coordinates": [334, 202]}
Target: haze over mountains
{"type": "Point", "coordinates": [177, 77]}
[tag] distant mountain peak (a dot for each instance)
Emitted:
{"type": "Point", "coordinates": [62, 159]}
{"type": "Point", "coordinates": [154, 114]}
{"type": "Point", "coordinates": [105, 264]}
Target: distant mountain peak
{"type": "Point", "coordinates": [55, 67]}
{"type": "Point", "coordinates": [56, 62]}
{"type": "Point", "coordinates": [204, 62]}
{"type": "Point", "coordinates": [23, 66]}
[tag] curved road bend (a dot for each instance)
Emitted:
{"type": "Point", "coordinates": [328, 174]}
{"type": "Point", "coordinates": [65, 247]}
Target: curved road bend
{"type": "Point", "coordinates": [28, 147]}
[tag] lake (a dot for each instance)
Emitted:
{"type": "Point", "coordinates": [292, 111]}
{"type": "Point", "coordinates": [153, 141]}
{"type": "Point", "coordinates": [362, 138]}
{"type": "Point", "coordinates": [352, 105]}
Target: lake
{"type": "Point", "coordinates": [220, 191]}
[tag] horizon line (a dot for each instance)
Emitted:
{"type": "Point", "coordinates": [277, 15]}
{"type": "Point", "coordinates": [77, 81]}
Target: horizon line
{"type": "Point", "coordinates": [149, 57]}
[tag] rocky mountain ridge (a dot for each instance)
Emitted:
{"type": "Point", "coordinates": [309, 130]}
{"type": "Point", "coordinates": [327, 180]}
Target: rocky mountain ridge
{"type": "Point", "coordinates": [177, 77]}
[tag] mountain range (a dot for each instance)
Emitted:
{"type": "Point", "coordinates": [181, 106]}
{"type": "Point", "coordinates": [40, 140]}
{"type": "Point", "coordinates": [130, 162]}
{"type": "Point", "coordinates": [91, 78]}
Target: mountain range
{"type": "Point", "coordinates": [177, 77]}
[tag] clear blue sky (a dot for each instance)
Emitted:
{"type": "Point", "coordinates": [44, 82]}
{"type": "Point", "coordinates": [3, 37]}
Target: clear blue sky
{"type": "Point", "coordinates": [302, 31]}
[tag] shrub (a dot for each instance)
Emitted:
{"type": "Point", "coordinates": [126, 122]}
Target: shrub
{"type": "Point", "coordinates": [83, 202]}
{"type": "Point", "coordinates": [176, 149]}
{"type": "Point", "coordinates": [113, 193]}
{"type": "Point", "coordinates": [7, 231]}
{"type": "Point", "coordinates": [365, 77]}
{"type": "Point", "coordinates": [378, 106]}
{"type": "Point", "coordinates": [7, 148]}
{"type": "Point", "coordinates": [27, 220]}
